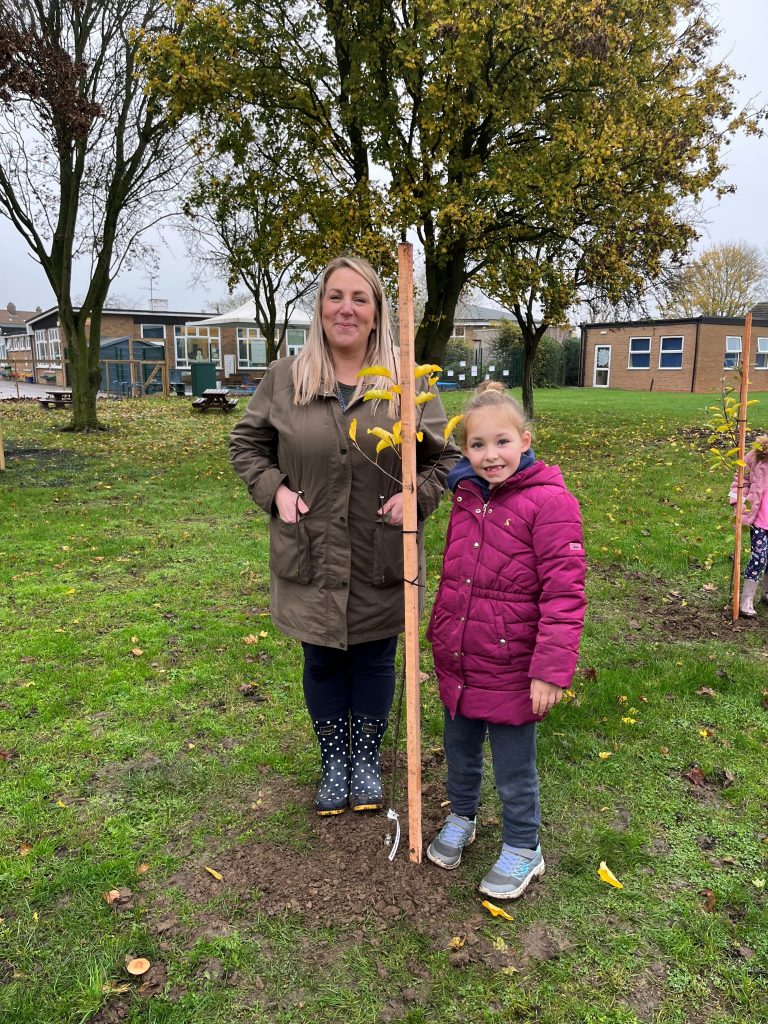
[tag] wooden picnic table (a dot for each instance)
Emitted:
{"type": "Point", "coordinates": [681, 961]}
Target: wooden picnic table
{"type": "Point", "coordinates": [56, 399]}
{"type": "Point", "coordinates": [215, 398]}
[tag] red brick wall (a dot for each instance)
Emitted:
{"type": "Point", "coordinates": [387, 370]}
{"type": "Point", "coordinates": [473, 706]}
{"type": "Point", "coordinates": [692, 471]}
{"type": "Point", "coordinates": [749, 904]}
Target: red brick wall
{"type": "Point", "coordinates": [709, 369]}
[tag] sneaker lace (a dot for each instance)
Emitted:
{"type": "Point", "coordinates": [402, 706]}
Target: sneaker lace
{"type": "Point", "coordinates": [454, 833]}
{"type": "Point", "coordinates": [513, 864]}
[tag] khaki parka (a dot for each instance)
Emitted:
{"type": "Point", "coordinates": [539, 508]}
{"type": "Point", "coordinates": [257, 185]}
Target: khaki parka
{"type": "Point", "coordinates": [336, 576]}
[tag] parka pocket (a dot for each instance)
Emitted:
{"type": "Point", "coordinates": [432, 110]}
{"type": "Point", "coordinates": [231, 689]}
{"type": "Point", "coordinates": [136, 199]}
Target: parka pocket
{"type": "Point", "coordinates": [387, 555]}
{"type": "Point", "coordinates": [289, 550]}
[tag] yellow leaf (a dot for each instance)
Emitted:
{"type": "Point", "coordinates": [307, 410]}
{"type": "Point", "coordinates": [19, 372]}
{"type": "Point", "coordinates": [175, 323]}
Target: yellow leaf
{"type": "Point", "coordinates": [451, 425]}
{"type": "Point", "coordinates": [759, 883]}
{"type": "Point", "coordinates": [353, 431]}
{"type": "Point", "coordinates": [497, 911]}
{"type": "Point", "coordinates": [396, 389]}
{"type": "Point", "coordinates": [375, 371]}
{"type": "Point", "coordinates": [419, 435]}
{"type": "Point", "coordinates": [433, 381]}
{"type": "Point", "coordinates": [70, 591]}
{"type": "Point", "coordinates": [397, 436]}
{"type": "Point", "coordinates": [500, 944]}
{"type": "Point", "coordinates": [377, 395]}
{"type": "Point", "coordinates": [60, 803]}
{"type": "Point", "coordinates": [385, 442]}
{"type": "Point", "coordinates": [424, 369]}
{"type": "Point", "coordinates": [380, 432]}
{"type": "Point", "coordinates": [111, 989]}
{"type": "Point", "coordinates": [604, 755]}
{"type": "Point", "coordinates": [250, 639]}
{"type": "Point", "coordinates": [608, 876]}
{"type": "Point", "coordinates": [424, 397]}
{"type": "Point", "coordinates": [215, 873]}
{"type": "Point", "coordinates": [456, 942]}
{"type": "Point", "coordinates": [510, 970]}
{"type": "Point", "coordinates": [263, 633]}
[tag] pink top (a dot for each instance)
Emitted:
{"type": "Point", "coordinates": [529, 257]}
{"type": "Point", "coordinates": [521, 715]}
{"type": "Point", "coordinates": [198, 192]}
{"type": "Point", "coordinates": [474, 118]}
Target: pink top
{"type": "Point", "coordinates": [761, 519]}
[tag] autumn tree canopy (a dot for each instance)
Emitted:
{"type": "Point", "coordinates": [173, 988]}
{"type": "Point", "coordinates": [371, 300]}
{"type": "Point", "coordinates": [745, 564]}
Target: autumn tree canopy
{"type": "Point", "coordinates": [572, 130]}
{"type": "Point", "coordinates": [724, 280]}
{"type": "Point", "coordinates": [87, 159]}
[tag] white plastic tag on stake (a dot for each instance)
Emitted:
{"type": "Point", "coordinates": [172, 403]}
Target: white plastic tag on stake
{"type": "Point", "coordinates": [393, 816]}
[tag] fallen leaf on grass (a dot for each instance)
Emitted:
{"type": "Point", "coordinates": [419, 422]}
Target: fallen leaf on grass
{"type": "Point", "coordinates": [111, 989]}
{"type": "Point", "coordinates": [142, 869]}
{"type": "Point", "coordinates": [605, 754]}
{"type": "Point", "coordinates": [24, 850]}
{"type": "Point", "coordinates": [706, 691]}
{"type": "Point", "coordinates": [759, 883]}
{"type": "Point", "coordinates": [250, 639]}
{"type": "Point", "coordinates": [456, 942]}
{"type": "Point", "coordinates": [500, 944]}
{"type": "Point", "coordinates": [510, 970]}
{"type": "Point", "coordinates": [706, 733]}
{"type": "Point", "coordinates": [695, 776]}
{"type": "Point", "coordinates": [137, 966]}
{"type": "Point", "coordinates": [607, 876]}
{"type": "Point", "coordinates": [709, 900]}
{"type": "Point", "coordinates": [111, 896]}
{"type": "Point", "coordinates": [8, 755]}
{"type": "Point", "coordinates": [710, 587]}
{"type": "Point", "coordinates": [497, 911]}
{"type": "Point", "coordinates": [215, 873]}
{"type": "Point", "coordinates": [136, 652]}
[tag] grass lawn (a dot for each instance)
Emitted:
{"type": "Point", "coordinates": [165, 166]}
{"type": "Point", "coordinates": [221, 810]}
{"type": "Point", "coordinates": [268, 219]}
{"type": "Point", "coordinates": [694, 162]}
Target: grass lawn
{"type": "Point", "coordinates": [152, 727]}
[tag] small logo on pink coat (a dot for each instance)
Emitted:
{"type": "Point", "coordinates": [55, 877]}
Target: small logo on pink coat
{"type": "Point", "coordinates": [575, 547]}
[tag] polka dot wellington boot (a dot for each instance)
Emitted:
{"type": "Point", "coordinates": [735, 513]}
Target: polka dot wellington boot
{"type": "Point", "coordinates": [365, 791]}
{"type": "Point", "coordinates": [333, 734]}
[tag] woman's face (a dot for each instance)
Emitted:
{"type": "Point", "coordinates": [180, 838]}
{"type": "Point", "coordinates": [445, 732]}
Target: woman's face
{"type": "Point", "coordinates": [348, 312]}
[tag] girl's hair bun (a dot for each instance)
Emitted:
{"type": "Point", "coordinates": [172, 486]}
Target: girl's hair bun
{"type": "Point", "coordinates": [490, 385]}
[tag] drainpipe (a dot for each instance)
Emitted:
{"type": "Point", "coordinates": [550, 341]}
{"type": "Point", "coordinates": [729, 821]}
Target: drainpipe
{"type": "Point", "coordinates": [695, 356]}
{"type": "Point", "coordinates": [582, 355]}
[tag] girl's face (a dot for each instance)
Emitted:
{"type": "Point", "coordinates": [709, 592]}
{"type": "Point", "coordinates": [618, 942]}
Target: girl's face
{"type": "Point", "coordinates": [348, 312]}
{"type": "Point", "coordinates": [495, 444]}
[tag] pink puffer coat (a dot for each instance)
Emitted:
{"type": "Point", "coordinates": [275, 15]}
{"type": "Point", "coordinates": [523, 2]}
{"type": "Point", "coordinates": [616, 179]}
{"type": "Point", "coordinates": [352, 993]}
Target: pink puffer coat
{"type": "Point", "coordinates": [510, 606]}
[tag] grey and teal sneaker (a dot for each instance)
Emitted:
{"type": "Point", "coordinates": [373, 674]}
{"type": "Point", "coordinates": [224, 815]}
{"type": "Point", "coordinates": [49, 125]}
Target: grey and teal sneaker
{"type": "Point", "coordinates": [513, 872]}
{"type": "Point", "coordinates": [446, 848]}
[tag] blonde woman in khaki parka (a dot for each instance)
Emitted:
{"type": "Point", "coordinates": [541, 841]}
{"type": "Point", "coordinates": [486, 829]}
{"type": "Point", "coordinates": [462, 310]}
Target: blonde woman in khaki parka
{"type": "Point", "coordinates": [336, 559]}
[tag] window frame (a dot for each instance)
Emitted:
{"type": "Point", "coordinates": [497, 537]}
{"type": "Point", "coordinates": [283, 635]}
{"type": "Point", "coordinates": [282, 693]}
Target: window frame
{"type": "Point", "coordinates": [631, 353]}
{"type": "Point", "coordinates": [184, 333]}
{"type": "Point", "coordinates": [676, 351]}
{"type": "Point", "coordinates": [252, 335]}
{"type": "Point", "coordinates": [153, 337]}
{"type": "Point", "coordinates": [732, 351]}
{"type": "Point", "coordinates": [759, 353]}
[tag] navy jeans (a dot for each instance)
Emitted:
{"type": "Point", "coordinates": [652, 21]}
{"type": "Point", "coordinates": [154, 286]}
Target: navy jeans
{"type": "Point", "coordinates": [513, 749]}
{"type": "Point", "coordinates": [360, 680]}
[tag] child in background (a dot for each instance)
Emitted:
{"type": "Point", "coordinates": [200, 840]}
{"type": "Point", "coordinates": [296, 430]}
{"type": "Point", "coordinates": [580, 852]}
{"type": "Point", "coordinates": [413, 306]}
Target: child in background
{"type": "Point", "coordinates": [755, 493]}
{"type": "Point", "coordinates": [505, 629]}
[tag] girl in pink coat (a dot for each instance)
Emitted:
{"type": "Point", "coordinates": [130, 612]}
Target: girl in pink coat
{"type": "Point", "coordinates": [755, 495]}
{"type": "Point", "coordinates": [505, 629]}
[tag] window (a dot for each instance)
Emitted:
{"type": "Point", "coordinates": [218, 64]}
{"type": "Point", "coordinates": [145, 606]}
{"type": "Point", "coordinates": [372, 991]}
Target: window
{"type": "Point", "coordinates": [761, 358]}
{"type": "Point", "coordinates": [41, 346]}
{"type": "Point", "coordinates": [671, 354]}
{"type": "Point", "coordinates": [197, 344]}
{"type": "Point", "coordinates": [153, 331]}
{"type": "Point", "coordinates": [251, 348]}
{"type": "Point", "coordinates": [732, 353]}
{"type": "Point", "coordinates": [639, 353]}
{"type": "Point", "coordinates": [54, 344]}
{"type": "Point", "coordinates": [19, 343]}
{"type": "Point", "coordinates": [458, 332]}
{"type": "Point", "coordinates": [3, 347]}
{"type": "Point", "coordinates": [294, 340]}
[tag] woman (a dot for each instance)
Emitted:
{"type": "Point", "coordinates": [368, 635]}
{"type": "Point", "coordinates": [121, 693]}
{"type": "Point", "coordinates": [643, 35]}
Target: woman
{"type": "Point", "coordinates": [336, 563]}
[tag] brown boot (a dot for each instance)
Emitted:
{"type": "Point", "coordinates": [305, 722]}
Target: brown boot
{"type": "Point", "coordinates": [748, 591]}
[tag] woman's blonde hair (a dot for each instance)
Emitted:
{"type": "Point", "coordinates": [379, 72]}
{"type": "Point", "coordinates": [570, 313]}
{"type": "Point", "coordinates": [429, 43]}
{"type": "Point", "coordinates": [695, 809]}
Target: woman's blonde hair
{"type": "Point", "coordinates": [492, 394]}
{"type": "Point", "coordinates": [760, 447]}
{"type": "Point", "coordinates": [313, 372]}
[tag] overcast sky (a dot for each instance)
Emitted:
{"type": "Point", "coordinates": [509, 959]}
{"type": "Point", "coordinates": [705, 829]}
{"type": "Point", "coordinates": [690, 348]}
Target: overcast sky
{"type": "Point", "coordinates": [743, 216]}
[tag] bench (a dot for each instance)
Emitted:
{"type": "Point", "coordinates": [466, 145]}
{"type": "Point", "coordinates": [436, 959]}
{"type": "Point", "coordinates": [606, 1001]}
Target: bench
{"type": "Point", "coordinates": [214, 398]}
{"type": "Point", "coordinates": [56, 400]}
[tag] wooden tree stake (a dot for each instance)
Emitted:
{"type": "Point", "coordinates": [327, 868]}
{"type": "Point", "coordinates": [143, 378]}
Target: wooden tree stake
{"type": "Point", "coordinates": [746, 345]}
{"type": "Point", "coordinates": [410, 548]}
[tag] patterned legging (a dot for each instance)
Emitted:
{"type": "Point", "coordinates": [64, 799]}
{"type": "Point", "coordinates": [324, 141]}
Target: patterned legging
{"type": "Point", "coordinates": [758, 538]}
